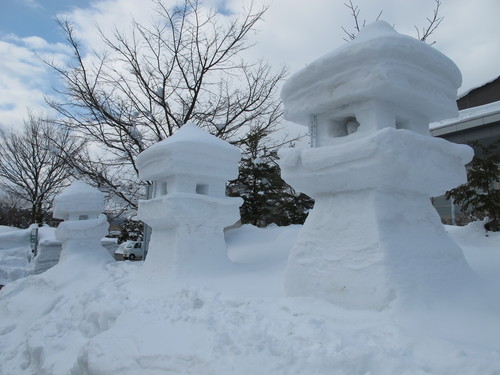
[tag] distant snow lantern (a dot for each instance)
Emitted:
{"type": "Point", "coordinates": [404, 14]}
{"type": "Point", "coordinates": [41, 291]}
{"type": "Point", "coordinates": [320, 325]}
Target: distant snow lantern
{"type": "Point", "coordinates": [80, 206]}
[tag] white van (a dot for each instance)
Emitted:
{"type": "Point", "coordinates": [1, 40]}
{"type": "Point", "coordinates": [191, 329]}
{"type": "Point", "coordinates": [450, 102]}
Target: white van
{"type": "Point", "coordinates": [130, 250]}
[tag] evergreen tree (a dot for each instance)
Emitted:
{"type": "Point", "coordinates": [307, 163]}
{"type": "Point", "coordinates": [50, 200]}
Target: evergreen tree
{"type": "Point", "coordinates": [267, 198]}
{"type": "Point", "coordinates": [480, 196]}
{"type": "Point", "coordinates": [131, 230]}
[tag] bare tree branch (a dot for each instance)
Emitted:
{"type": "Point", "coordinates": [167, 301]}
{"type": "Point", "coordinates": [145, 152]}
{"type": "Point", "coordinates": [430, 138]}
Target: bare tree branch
{"type": "Point", "coordinates": [422, 33]}
{"type": "Point", "coordinates": [31, 168]}
{"type": "Point", "coordinates": [182, 67]}
{"type": "Point", "coordinates": [434, 23]}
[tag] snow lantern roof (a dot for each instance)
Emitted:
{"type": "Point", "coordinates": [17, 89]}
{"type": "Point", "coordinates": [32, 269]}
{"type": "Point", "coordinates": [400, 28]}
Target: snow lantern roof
{"type": "Point", "coordinates": [79, 197]}
{"type": "Point", "coordinates": [379, 64]}
{"type": "Point", "coordinates": [190, 150]}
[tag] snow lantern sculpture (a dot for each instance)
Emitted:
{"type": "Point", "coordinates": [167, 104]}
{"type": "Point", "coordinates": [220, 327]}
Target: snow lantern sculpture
{"type": "Point", "coordinates": [189, 208]}
{"type": "Point", "coordinates": [373, 235]}
{"type": "Point", "coordinates": [80, 206]}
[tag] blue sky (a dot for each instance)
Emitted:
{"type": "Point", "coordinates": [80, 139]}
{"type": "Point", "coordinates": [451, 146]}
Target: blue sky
{"type": "Point", "coordinates": [294, 33]}
{"type": "Point", "coordinates": [26, 18]}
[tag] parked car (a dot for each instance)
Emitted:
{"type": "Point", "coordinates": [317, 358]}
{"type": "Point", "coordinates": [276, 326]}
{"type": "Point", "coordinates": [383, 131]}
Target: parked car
{"type": "Point", "coordinates": [130, 250]}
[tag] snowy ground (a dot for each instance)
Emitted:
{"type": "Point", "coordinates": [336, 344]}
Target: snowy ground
{"type": "Point", "coordinates": [88, 316]}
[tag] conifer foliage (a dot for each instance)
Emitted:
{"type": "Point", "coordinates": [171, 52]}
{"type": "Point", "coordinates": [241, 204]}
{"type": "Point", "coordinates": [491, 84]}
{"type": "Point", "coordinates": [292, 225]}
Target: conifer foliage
{"type": "Point", "coordinates": [267, 198]}
{"type": "Point", "coordinates": [480, 196]}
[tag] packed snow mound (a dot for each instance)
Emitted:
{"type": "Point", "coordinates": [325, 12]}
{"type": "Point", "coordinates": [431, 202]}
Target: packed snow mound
{"type": "Point", "coordinates": [49, 250]}
{"type": "Point", "coordinates": [480, 248]}
{"type": "Point", "coordinates": [380, 63]}
{"type": "Point", "coordinates": [90, 318]}
{"type": "Point", "coordinates": [5, 228]}
{"type": "Point", "coordinates": [15, 254]}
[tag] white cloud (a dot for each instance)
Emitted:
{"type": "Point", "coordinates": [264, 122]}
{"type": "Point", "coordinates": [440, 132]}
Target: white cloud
{"type": "Point", "coordinates": [24, 78]}
{"type": "Point", "coordinates": [294, 33]}
{"type": "Point", "coordinates": [469, 36]}
{"type": "Point", "coordinates": [297, 32]}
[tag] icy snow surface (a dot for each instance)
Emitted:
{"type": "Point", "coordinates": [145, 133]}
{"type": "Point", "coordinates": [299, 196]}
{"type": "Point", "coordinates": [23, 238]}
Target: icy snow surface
{"type": "Point", "coordinates": [88, 317]}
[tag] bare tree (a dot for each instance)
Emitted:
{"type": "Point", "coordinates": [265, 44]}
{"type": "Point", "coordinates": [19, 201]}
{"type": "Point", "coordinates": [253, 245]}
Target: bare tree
{"type": "Point", "coordinates": [184, 67]}
{"type": "Point", "coordinates": [13, 212]}
{"type": "Point", "coordinates": [433, 23]}
{"type": "Point", "coordinates": [423, 33]}
{"type": "Point", "coordinates": [358, 24]}
{"type": "Point", "coordinates": [30, 166]}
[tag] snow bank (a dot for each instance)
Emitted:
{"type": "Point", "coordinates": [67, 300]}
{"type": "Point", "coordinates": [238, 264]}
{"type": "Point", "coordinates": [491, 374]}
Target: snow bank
{"type": "Point", "coordinates": [92, 319]}
{"type": "Point", "coordinates": [5, 228]}
{"type": "Point", "coordinates": [49, 250]}
{"type": "Point", "coordinates": [481, 249]}
{"type": "Point", "coordinates": [15, 254]}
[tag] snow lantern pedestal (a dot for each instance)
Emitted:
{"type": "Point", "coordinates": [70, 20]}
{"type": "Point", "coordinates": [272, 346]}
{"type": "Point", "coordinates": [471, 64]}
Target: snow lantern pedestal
{"type": "Point", "coordinates": [373, 235]}
{"type": "Point", "coordinates": [80, 206]}
{"type": "Point", "coordinates": [189, 209]}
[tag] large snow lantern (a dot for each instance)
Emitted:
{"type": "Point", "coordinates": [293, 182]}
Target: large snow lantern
{"type": "Point", "coordinates": [373, 235]}
{"type": "Point", "coordinates": [189, 208]}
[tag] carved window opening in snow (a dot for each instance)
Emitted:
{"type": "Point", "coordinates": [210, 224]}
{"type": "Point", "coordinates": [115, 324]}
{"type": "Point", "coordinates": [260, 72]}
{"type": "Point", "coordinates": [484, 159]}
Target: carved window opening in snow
{"type": "Point", "coordinates": [343, 127]}
{"type": "Point", "coordinates": [202, 189]}
{"type": "Point", "coordinates": [83, 217]}
{"type": "Point", "coordinates": [163, 188]}
{"type": "Point", "coordinates": [402, 124]}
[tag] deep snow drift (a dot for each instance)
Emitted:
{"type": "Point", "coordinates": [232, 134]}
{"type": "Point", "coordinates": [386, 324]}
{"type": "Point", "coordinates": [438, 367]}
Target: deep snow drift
{"type": "Point", "coordinates": [89, 317]}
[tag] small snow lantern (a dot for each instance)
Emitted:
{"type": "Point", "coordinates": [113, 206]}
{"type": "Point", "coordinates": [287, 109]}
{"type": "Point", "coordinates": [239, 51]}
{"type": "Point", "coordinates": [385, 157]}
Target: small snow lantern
{"type": "Point", "coordinates": [79, 201]}
{"type": "Point", "coordinates": [189, 208]}
{"type": "Point", "coordinates": [373, 236]}
{"type": "Point", "coordinates": [80, 206]}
